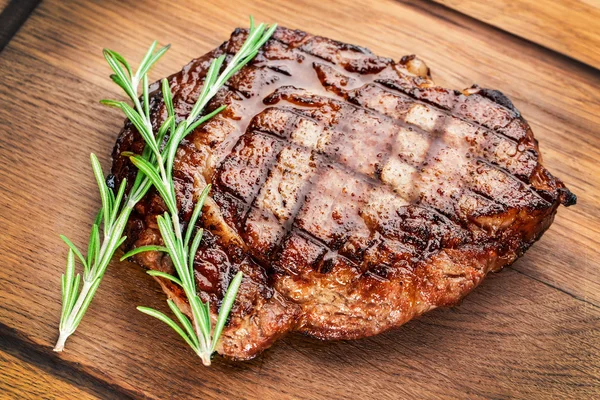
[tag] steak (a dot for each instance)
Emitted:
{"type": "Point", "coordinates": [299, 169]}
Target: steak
{"type": "Point", "coordinates": [352, 192]}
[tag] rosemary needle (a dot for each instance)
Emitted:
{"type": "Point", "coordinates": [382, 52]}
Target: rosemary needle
{"type": "Point", "coordinates": [181, 246]}
{"type": "Point", "coordinates": [106, 235]}
{"type": "Point", "coordinates": [155, 169]}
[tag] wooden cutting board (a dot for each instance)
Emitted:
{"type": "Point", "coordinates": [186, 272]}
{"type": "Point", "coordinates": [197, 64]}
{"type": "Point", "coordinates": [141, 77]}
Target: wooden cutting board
{"type": "Point", "coordinates": [531, 331]}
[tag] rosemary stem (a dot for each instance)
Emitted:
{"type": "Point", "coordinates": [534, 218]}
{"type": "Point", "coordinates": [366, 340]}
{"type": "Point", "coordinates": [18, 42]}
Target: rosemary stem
{"type": "Point", "coordinates": [68, 329]}
{"type": "Point", "coordinates": [95, 273]}
{"type": "Point", "coordinates": [165, 179]}
{"type": "Point", "coordinates": [157, 166]}
{"type": "Point", "coordinates": [137, 191]}
{"type": "Point", "coordinates": [204, 349]}
{"type": "Point", "coordinates": [176, 227]}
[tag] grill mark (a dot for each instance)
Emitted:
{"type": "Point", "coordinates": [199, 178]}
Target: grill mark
{"type": "Point", "coordinates": [239, 222]}
{"type": "Point", "coordinates": [365, 178]}
{"type": "Point", "coordinates": [527, 186]}
{"type": "Point", "coordinates": [515, 179]}
{"type": "Point", "coordinates": [440, 123]}
{"type": "Point", "coordinates": [296, 114]}
{"type": "Point", "coordinates": [326, 158]}
{"type": "Point", "coordinates": [302, 195]}
{"type": "Point", "coordinates": [368, 179]}
{"type": "Point", "coordinates": [308, 186]}
{"type": "Point", "coordinates": [291, 223]}
{"type": "Point", "coordinates": [305, 188]}
{"type": "Point", "coordinates": [439, 127]}
{"type": "Point", "coordinates": [310, 237]}
{"type": "Point", "coordinates": [448, 114]}
{"type": "Point", "coordinates": [400, 93]}
{"type": "Point", "coordinates": [264, 171]}
{"type": "Point", "coordinates": [479, 193]}
{"type": "Point", "coordinates": [386, 88]}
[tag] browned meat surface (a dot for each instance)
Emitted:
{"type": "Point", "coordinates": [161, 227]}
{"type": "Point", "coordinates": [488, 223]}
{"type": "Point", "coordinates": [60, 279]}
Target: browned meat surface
{"type": "Point", "coordinates": [352, 192]}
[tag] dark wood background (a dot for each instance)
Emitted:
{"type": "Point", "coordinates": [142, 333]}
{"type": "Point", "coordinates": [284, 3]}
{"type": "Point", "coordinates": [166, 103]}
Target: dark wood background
{"type": "Point", "coordinates": [531, 331]}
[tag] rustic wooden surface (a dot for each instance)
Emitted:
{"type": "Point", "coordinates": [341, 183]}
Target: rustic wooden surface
{"type": "Point", "coordinates": [20, 379]}
{"type": "Point", "coordinates": [571, 27]}
{"type": "Point", "coordinates": [530, 331]}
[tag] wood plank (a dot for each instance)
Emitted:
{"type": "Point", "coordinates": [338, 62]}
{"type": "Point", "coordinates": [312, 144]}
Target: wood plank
{"type": "Point", "coordinates": [570, 27]}
{"type": "Point", "coordinates": [21, 380]}
{"type": "Point", "coordinates": [503, 342]}
{"type": "Point", "coordinates": [513, 337]}
{"type": "Point", "coordinates": [19, 360]}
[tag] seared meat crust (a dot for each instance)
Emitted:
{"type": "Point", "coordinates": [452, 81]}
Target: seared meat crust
{"type": "Point", "coordinates": [353, 192]}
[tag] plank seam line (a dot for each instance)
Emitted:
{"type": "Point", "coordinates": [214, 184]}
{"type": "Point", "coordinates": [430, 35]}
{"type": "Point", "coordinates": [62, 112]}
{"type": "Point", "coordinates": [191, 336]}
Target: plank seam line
{"type": "Point", "coordinates": [555, 287]}
{"type": "Point", "coordinates": [43, 357]}
{"type": "Point", "coordinates": [436, 9]}
{"type": "Point", "coordinates": [16, 13]}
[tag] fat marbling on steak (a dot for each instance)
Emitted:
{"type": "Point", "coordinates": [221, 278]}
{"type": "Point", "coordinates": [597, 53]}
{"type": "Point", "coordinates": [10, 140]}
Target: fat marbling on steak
{"type": "Point", "coordinates": [352, 192]}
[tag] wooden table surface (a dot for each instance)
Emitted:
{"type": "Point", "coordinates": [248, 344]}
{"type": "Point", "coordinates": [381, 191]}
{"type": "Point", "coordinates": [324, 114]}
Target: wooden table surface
{"type": "Point", "coordinates": [570, 27]}
{"type": "Point", "coordinates": [530, 331]}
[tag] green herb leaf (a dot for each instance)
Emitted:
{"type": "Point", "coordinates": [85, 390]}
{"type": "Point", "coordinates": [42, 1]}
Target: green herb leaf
{"type": "Point", "coordinates": [122, 79]}
{"type": "Point", "coordinates": [194, 248]}
{"type": "Point", "coordinates": [162, 317]}
{"type": "Point", "coordinates": [145, 98]}
{"type": "Point", "coordinates": [161, 274]}
{"type": "Point", "coordinates": [170, 239]}
{"type": "Point", "coordinates": [137, 121]}
{"type": "Point", "coordinates": [168, 97]}
{"type": "Point", "coordinates": [164, 128]}
{"type": "Point", "coordinates": [201, 120]}
{"type": "Point", "coordinates": [226, 306]}
{"type": "Point", "coordinates": [68, 279]}
{"type": "Point", "coordinates": [145, 63]}
{"type": "Point", "coordinates": [122, 60]}
{"type": "Point", "coordinates": [74, 292]}
{"type": "Point", "coordinates": [104, 196]}
{"type": "Point", "coordinates": [92, 249]}
{"type": "Point", "coordinates": [151, 59]}
{"type": "Point", "coordinates": [74, 249]}
{"type": "Point", "coordinates": [118, 199]}
{"type": "Point", "coordinates": [184, 321]}
{"type": "Point", "coordinates": [150, 171]}
{"type": "Point", "coordinates": [143, 249]}
{"type": "Point", "coordinates": [86, 303]}
{"type": "Point", "coordinates": [196, 214]}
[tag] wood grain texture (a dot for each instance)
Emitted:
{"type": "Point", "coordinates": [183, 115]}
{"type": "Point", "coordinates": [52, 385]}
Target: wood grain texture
{"type": "Point", "coordinates": [528, 332]}
{"type": "Point", "coordinates": [571, 27]}
{"type": "Point", "coordinates": [21, 380]}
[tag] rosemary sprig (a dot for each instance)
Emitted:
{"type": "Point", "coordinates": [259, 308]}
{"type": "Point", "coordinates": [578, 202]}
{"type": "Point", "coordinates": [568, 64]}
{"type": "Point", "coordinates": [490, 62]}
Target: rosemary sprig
{"type": "Point", "coordinates": [155, 166]}
{"type": "Point", "coordinates": [198, 333]}
{"type": "Point", "coordinates": [115, 210]}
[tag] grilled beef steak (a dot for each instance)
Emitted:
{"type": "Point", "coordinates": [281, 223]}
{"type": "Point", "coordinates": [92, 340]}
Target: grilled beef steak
{"type": "Point", "coordinates": [352, 192]}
